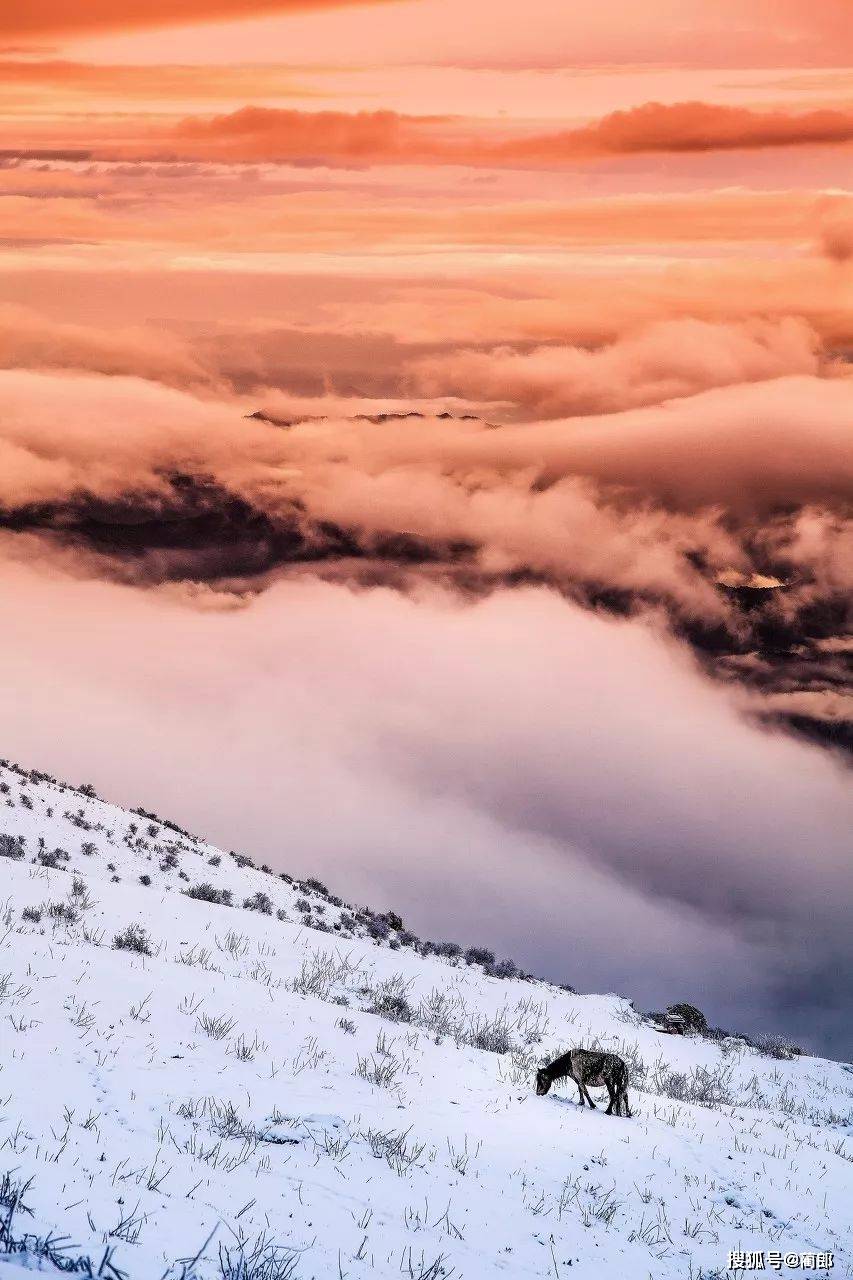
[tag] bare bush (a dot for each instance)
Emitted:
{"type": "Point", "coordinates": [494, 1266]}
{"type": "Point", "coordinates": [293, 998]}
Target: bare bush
{"type": "Point", "coordinates": [260, 1259]}
{"type": "Point", "coordinates": [321, 973]}
{"type": "Point", "coordinates": [205, 892]}
{"type": "Point", "coordinates": [494, 1035]}
{"type": "Point", "coordinates": [440, 1014]}
{"type": "Point", "coordinates": [11, 846]}
{"type": "Point", "coordinates": [702, 1086]}
{"type": "Point", "coordinates": [395, 1149]}
{"type": "Point", "coordinates": [390, 999]}
{"type": "Point", "coordinates": [217, 1026]}
{"type": "Point", "coordinates": [777, 1046]}
{"type": "Point", "coordinates": [133, 938]}
{"type": "Point", "coordinates": [62, 913]}
{"type": "Point", "coordinates": [259, 902]}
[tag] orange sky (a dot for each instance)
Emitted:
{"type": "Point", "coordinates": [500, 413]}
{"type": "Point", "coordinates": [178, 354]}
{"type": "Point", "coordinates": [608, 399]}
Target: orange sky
{"type": "Point", "coordinates": [415, 171]}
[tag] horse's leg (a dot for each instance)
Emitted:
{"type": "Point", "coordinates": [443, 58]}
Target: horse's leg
{"type": "Point", "coordinates": [589, 1099]}
{"type": "Point", "coordinates": [614, 1097]}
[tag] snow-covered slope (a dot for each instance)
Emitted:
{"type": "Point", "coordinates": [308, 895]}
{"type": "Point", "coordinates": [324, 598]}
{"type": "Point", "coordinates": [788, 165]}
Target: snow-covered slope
{"type": "Point", "coordinates": [275, 1092]}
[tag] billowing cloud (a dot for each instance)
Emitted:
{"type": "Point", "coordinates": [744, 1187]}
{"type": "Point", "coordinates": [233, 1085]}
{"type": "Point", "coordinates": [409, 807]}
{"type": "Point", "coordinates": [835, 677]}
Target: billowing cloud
{"type": "Point", "coordinates": [673, 507]}
{"type": "Point", "coordinates": [661, 361]}
{"type": "Point", "coordinates": [785, 440]}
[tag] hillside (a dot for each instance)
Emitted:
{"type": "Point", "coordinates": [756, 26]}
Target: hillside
{"type": "Point", "coordinates": [261, 1082]}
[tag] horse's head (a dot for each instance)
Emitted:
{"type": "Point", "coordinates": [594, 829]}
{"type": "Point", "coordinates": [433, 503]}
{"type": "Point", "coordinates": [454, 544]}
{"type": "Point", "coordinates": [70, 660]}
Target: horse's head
{"type": "Point", "coordinates": [543, 1082]}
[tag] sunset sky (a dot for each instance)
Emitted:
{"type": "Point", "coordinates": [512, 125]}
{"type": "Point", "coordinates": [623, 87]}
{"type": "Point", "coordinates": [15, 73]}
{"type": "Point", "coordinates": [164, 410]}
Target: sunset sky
{"type": "Point", "coordinates": [576, 636]}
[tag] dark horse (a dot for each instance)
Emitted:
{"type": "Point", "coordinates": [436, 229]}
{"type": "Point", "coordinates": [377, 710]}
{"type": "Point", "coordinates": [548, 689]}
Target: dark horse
{"type": "Point", "coordinates": [589, 1067]}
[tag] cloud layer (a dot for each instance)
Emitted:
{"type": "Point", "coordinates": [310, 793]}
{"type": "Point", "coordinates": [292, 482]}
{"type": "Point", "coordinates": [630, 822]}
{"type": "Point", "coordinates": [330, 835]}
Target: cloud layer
{"type": "Point", "coordinates": [616, 858]}
{"type": "Point", "coordinates": [681, 507]}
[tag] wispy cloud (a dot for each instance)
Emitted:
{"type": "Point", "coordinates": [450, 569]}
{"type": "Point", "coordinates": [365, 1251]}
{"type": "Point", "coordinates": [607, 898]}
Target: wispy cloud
{"type": "Point", "coordinates": [53, 17]}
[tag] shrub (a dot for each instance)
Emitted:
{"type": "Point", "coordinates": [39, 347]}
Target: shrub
{"type": "Point", "coordinates": [479, 955]}
{"type": "Point", "coordinates": [88, 847]}
{"type": "Point", "coordinates": [146, 880]}
{"type": "Point", "coordinates": [694, 1019]}
{"type": "Point", "coordinates": [259, 902]}
{"type": "Point", "coordinates": [242, 859]}
{"type": "Point", "coordinates": [217, 1026]}
{"type": "Point", "coordinates": [389, 999]}
{"type": "Point", "coordinates": [703, 1086]}
{"type": "Point", "coordinates": [302, 904]}
{"type": "Point", "coordinates": [206, 893]}
{"type": "Point", "coordinates": [777, 1046]}
{"type": "Point", "coordinates": [315, 886]}
{"type": "Point", "coordinates": [79, 894]}
{"type": "Point", "coordinates": [214, 861]}
{"type": "Point", "coordinates": [133, 938]}
{"type": "Point", "coordinates": [53, 858]}
{"type": "Point", "coordinates": [169, 862]}
{"type": "Point", "coordinates": [32, 914]}
{"type": "Point", "coordinates": [449, 949]}
{"type": "Point", "coordinates": [346, 1025]}
{"type": "Point", "coordinates": [11, 846]}
{"type": "Point", "coordinates": [491, 1034]}
{"type": "Point", "coordinates": [503, 969]}
{"type": "Point", "coordinates": [63, 912]}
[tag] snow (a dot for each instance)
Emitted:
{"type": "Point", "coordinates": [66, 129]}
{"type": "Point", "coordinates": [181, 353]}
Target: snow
{"type": "Point", "coordinates": [232, 1096]}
